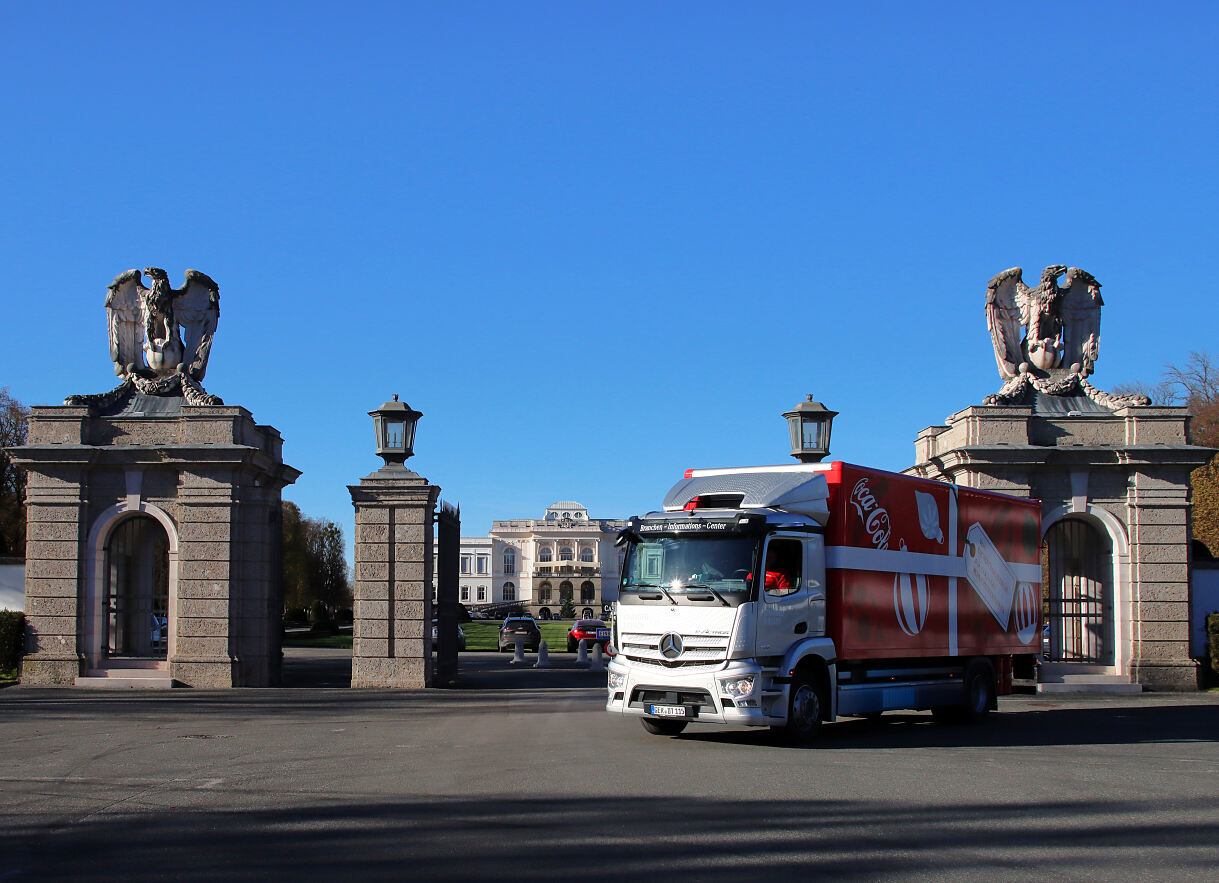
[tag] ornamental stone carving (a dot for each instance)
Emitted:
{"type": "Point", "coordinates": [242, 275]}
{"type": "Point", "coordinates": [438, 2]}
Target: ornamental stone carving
{"type": "Point", "coordinates": [160, 337]}
{"type": "Point", "coordinates": [1047, 338]}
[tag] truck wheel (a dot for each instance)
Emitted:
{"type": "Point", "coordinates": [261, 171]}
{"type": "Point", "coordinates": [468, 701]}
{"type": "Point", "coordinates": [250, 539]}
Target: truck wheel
{"type": "Point", "coordinates": [662, 728]}
{"type": "Point", "coordinates": [805, 709]}
{"type": "Point", "coordinates": [979, 686]}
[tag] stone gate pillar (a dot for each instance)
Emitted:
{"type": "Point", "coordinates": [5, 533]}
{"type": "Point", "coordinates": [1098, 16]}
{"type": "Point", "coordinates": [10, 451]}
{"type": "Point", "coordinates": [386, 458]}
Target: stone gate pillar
{"type": "Point", "coordinates": [393, 599]}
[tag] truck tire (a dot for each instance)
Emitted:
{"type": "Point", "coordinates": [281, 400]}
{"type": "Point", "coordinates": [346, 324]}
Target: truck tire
{"type": "Point", "coordinates": [662, 728]}
{"type": "Point", "coordinates": [805, 711]}
{"type": "Point", "coordinates": [979, 687]}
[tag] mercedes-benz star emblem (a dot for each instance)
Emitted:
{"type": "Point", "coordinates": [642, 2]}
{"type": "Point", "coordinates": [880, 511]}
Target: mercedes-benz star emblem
{"type": "Point", "coordinates": [670, 646]}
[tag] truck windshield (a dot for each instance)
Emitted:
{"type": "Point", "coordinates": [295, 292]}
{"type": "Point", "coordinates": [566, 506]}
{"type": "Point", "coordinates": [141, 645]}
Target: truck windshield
{"type": "Point", "coordinates": [689, 568]}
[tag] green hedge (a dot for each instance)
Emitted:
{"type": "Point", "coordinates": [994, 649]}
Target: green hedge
{"type": "Point", "coordinates": [1212, 634]}
{"type": "Point", "coordinates": [12, 640]}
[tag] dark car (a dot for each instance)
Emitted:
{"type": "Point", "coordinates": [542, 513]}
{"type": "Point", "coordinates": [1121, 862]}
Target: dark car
{"type": "Point", "coordinates": [587, 630]}
{"type": "Point", "coordinates": [522, 627]}
{"type": "Point", "coordinates": [461, 636]}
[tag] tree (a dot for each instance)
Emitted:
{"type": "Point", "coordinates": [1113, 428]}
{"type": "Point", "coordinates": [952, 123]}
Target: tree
{"type": "Point", "coordinates": [14, 430]}
{"type": "Point", "coordinates": [314, 563]}
{"type": "Point", "coordinates": [567, 609]}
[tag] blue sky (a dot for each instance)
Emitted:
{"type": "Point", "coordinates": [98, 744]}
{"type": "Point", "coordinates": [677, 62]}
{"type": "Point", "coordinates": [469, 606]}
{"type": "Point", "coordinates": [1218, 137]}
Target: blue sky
{"type": "Point", "coordinates": [598, 243]}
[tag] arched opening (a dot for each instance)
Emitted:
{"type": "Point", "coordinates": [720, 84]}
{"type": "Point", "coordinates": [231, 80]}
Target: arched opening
{"type": "Point", "coordinates": [586, 613]}
{"type": "Point", "coordinates": [544, 613]}
{"type": "Point", "coordinates": [136, 590]}
{"type": "Point", "coordinates": [565, 590]}
{"type": "Point", "coordinates": [588, 592]}
{"type": "Point", "coordinates": [1077, 560]}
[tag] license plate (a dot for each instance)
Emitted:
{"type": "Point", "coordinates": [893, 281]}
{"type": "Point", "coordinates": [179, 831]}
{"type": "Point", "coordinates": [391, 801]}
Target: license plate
{"type": "Point", "coordinates": [667, 710]}
{"type": "Point", "coordinates": [603, 634]}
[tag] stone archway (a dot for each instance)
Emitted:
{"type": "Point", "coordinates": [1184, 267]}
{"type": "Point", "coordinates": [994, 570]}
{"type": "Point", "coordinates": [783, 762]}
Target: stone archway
{"type": "Point", "coordinates": [132, 576]}
{"type": "Point", "coordinates": [1079, 593]}
{"type": "Point", "coordinates": [136, 596]}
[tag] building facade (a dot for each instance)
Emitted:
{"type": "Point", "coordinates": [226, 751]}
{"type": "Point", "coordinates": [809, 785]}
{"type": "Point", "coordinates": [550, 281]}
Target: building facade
{"type": "Point", "coordinates": [539, 563]}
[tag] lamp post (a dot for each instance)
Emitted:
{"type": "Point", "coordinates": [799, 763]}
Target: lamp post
{"type": "Point", "coordinates": [394, 425]}
{"type": "Point", "coordinates": [809, 424]}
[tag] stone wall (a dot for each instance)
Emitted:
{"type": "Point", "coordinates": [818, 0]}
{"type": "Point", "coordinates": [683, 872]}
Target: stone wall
{"type": "Point", "coordinates": [212, 478]}
{"type": "Point", "coordinates": [1127, 471]}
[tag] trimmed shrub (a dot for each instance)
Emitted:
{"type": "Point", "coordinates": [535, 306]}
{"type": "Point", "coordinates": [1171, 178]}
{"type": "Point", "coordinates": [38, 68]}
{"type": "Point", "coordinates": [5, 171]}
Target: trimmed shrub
{"type": "Point", "coordinates": [12, 640]}
{"type": "Point", "coordinates": [1212, 634]}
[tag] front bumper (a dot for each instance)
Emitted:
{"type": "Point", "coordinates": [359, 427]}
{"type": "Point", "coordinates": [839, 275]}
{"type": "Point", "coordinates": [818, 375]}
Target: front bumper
{"type": "Point", "coordinates": [699, 691]}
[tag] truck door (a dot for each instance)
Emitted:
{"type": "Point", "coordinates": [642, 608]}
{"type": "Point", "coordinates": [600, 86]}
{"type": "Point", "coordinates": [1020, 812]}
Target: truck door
{"type": "Point", "coordinates": [784, 612]}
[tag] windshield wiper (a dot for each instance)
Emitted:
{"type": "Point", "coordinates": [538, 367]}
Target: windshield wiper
{"type": "Point", "coordinates": [707, 588]}
{"type": "Point", "coordinates": [660, 588]}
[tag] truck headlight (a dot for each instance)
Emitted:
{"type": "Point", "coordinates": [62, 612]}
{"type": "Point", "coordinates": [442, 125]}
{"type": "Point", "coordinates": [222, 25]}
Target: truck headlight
{"type": "Point", "coordinates": [616, 680]}
{"type": "Point", "coordinates": [737, 687]}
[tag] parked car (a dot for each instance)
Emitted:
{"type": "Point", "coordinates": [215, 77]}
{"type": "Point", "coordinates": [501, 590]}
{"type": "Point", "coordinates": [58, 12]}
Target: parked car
{"type": "Point", "coordinates": [461, 636]}
{"type": "Point", "coordinates": [519, 626]}
{"type": "Point", "coordinates": [587, 630]}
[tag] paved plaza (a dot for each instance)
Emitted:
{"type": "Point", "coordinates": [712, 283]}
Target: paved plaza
{"type": "Point", "coordinates": [520, 775]}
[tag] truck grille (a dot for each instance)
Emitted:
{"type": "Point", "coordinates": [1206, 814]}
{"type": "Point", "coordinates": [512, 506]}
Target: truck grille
{"type": "Point", "coordinates": [697, 650]}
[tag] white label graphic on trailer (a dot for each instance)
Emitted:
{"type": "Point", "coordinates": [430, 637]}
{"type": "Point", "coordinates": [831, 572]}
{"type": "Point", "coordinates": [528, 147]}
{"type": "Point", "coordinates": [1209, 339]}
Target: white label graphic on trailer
{"type": "Point", "coordinates": [989, 574]}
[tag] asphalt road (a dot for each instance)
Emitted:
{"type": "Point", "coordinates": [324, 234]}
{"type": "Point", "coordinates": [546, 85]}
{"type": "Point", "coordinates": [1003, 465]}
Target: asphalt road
{"type": "Point", "coordinates": [520, 775]}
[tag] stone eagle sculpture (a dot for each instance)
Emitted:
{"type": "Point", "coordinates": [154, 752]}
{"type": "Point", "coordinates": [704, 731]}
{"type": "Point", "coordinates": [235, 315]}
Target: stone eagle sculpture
{"type": "Point", "coordinates": [156, 331]}
{"type": "Point", "coordinates": [1062, 321]}
{"type": "Point", "coordinates": [1048, 337]}
{"type": "Point", "coordinates": [160, 337]}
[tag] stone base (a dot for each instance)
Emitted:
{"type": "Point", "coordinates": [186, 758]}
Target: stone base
{"type": "Point", "coordinates": [1169, 678]}
{"type": "Point", "coordinates": [37, 672]}
{"type": "Point", "coordinates": [404, 674]}
{"type": "Point", "coordinates": [203, 673]}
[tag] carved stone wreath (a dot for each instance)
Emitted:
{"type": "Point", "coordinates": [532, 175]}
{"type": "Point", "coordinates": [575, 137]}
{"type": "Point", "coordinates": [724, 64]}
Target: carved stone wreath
{"type": "Point", "coordinates": [176, 384]}
{"type": "Point", "coordinates": [1015, 390]}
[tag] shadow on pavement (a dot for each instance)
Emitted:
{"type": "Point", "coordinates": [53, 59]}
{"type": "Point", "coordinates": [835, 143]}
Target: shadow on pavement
{"type": "Point", "coordinates": [312, 668]}
{"type": "Point", "coordinates": [513, 837]}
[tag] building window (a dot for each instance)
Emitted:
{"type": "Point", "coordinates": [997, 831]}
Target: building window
{"type": "Point", "coordinates": [482, 563]}
{"type": "Point", "coordinates": [651, 562]}
{"type": "Point", "coordinates": [565, 590]}
{"type": "Point", "coordinates": [565, 553]}
{"type": "Point", "coordinates": [465, 593]}
{"type": "Point", "coordinates": [588, 594]}
{"type": "Point", "coordinates": [586, 555]}
{"type": "Point", "coordinates": [509, 592]}
{"type": "Point", "coordinates": [544, 593]}
{"type": "Point", "coordinates": [544, 554]}
{"type": "Point", "coordinates": [482, 593]}
{"type": "Point", "coordinates": [509, 560]}
{"type": "Point", "coordinates": [465, 563]}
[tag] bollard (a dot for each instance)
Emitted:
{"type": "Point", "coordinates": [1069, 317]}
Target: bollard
{"type": "Point", "coordinates": [518, 657]}
{"type": "Point", "coordinates": [543, 656]}
{"type": "Point", "coordinates": [582, 655]}
{"type": "Point", "coordinates": [598, 664]}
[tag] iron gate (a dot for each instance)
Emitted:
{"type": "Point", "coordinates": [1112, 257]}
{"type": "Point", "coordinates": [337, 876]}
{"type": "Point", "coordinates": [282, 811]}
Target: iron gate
{"type": "Point", "coordinates": [1079, 600]}
{"type": "Point", "coordinates": [448, 556]}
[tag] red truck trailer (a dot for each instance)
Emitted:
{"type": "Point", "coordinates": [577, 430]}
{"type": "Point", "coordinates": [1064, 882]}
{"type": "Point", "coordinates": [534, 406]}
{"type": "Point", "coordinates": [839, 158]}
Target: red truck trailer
{"type": "Point", "coordinates": [785, 596]}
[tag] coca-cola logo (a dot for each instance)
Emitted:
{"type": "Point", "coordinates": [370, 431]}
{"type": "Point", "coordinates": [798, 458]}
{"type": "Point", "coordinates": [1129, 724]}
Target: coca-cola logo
{"type": "Point", "coordinates": [874, 517]}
